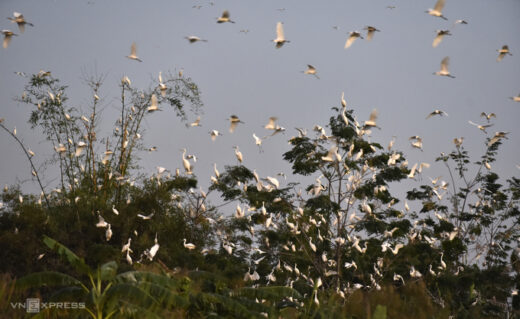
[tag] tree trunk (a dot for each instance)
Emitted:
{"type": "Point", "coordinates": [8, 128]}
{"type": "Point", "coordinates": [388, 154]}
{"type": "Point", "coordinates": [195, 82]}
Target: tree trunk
{"type": "Point", "coordinates": [366, 303]}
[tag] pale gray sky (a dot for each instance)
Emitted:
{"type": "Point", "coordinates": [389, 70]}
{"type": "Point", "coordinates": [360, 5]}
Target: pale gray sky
{"type": "Point", "coordinates": [244, 74]}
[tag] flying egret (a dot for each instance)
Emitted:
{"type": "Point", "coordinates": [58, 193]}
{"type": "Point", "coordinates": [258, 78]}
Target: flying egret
{"type": "Point", "coordinates": [133, 53]}
{"type": "Point", "coordinates": [330, 157]}
{"type": "Point", "coordinates": [372, 120]}
{"type": "Point", "coordinates": [352, 37]}
{"type": "Point", "coordinates": [444, 68]}
{"type": "Point", "coordinates": [488, 116]}
{"type": "Point", "coordinates": [224, 17]}
{"type": "Point", "coordinates": [233, 121]}
{"type": "Point", "coordinates": [188, 246]}
{"type": "Point", "coordinates": [311, 70]}
{"type": "Point", "coordinates": [214, 134]}
{"type": "Point", "coordinates": [193, 39]}
{"type": "Point", "coordinates": [271, 125]}
{"type": "Point", "coordinates": [8, 34]}
{"type": "Point", "coordinates": [280, 38]}
{"type": "Point", "coordinates": [196, 122]}
{"type": "Point", "coordinates": [438, 37]}
{"type": "Point", "coordinates": [153, 104]}
{"type": "Point", "coordinates": [145, 217]}
{"type": "Point", "coordinates": [19, 19]}
{"type": "Point", "coordinates": [273, 181]}
{"type": "Point", "coordinates": [460, 21]}
{"type": "Point", "coordinates": [481, 127]}
{"type": "Point", "coordinates": [437, 9]}
{"type": "Point", "coordinates": [416, 142]}
{"type": "Point", "coordinates": [436, 112]}
{"type": "Point", "coordinates": [515, 98]}
{"type": "Point", "coordinates": [370, 32]}
{"type": "Point", "coordinates": [258, 141]}
{"type": "Point", "coordinates": [497, 137]}
{"type": "Point", "coordinates": [503, 52]}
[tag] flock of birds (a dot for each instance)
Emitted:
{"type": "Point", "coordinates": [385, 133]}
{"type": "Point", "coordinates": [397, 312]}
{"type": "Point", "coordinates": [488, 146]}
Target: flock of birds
{"type": "Point", "coordinates": [332, 155]}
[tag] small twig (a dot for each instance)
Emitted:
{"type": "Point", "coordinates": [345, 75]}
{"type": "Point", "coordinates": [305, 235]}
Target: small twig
{"type": "Point", "coordinates": [30, 161]}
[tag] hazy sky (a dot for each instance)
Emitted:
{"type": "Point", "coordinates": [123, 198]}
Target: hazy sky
{"type": "Point", "coordinates": [244, 74]}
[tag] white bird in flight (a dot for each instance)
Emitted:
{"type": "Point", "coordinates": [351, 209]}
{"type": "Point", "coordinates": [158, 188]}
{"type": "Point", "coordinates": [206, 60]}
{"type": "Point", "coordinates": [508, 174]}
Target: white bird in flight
{"type": "Point", "coordinates": [280, 37]}
{"type": "Point", "coordinates": [481, 127]}
{"type": "Point", "coordinates": [214, 134]}
{"type": "Point", "coordinates": [503, 52]}
{"type": "Point", "coordinates": [224, 17]}
{"type": "Point", "coordinates": [311, 70]}
{"type": "Point", "coordinates": [515, 98]}
{"type": "Point", "coordinates": [437, 9]}
{"type": "Point", "coordinates": [233, 121]}
{"type": "Point", "coordinates": [352, 37]}
{"type": "Point", "coordinates": [436, 112]}
{"type": "Point", "coordinates": [488, 116]}
{"type": "Point", "coordinates": [370, 32]}
{"type": "Point", "coordinates": [196, 122]}
{"type": "Point", "coordinates": [8, 34]}
{"type": "Point", "coordinates": [439, 36]}
{"type": "Point", "coordinates": [444, 68]}
{"type": "Point", "coordinates": [193, 39]}
{"type": "Point", "coordinates": [19, 19]}
{"type": "Point", "coordinates": [133, 53]}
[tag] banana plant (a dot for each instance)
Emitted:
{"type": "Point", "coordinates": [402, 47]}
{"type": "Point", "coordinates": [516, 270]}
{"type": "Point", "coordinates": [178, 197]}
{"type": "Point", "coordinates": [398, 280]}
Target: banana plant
{"type": "Point", "coordinates": [102, 293]}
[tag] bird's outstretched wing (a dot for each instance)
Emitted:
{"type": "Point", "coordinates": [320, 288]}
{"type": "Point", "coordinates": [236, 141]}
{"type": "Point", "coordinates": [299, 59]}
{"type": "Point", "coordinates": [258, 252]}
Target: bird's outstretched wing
{"type": "Point", "coordinates": [279, 31]}
{"type": "Point", "coordinates": [445, 63]}
{"type": "Point", "coordinates": [439, 5]}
